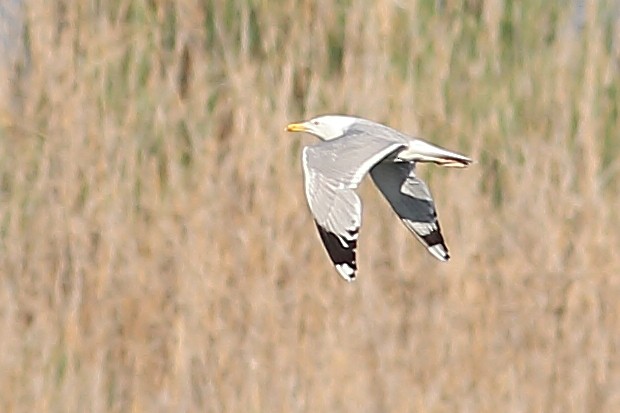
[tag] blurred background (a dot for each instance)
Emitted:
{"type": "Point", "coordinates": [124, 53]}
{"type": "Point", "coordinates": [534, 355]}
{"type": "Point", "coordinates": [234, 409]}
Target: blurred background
{"type": "Point", "coordinates": [157, 253]}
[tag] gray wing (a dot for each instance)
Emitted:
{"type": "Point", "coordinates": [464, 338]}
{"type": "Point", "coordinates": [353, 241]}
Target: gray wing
{"type": "Point", "coordinates": [411, 199]}
{"type": "Point", "coordinates": [333, 170]}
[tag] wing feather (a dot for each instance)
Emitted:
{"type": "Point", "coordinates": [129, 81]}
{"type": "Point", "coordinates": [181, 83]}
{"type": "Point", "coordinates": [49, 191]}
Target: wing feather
{"type": "Point", "coordinates": [411, 199]}
{"type": "Point", "coordinates": [333, 170]}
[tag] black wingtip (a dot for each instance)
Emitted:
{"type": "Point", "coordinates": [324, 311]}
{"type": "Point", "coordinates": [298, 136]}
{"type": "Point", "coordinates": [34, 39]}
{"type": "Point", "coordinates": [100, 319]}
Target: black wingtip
{"type": "Point", "coordinates": [341, 251]}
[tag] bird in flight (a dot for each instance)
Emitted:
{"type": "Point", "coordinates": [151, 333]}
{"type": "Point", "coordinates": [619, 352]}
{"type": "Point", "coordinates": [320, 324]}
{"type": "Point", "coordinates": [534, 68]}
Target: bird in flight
{"type": "Point", "coordinates": [350, 148]}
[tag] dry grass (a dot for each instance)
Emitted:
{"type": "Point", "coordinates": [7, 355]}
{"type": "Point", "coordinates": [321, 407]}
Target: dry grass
{"type": "Point", "coordinates": [156, 253]}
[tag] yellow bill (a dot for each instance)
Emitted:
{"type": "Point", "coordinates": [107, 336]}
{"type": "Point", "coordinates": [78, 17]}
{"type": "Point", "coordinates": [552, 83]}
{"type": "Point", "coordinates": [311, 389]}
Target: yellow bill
{"type": "Point", "coordinates": [296, 127]}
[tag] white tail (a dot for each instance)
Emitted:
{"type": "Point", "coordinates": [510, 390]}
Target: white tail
{"type": "Point", "coordinates": [421, 151]}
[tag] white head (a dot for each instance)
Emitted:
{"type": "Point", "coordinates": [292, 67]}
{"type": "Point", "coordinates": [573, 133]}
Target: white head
{"type": "Point", "coordinates": [324, 127]}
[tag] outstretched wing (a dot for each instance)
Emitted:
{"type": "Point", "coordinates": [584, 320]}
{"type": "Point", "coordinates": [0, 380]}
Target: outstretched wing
{"type": "Point", "coordinates": [411, 199]}
{"type": "Point", "coordinates": [333, 170]}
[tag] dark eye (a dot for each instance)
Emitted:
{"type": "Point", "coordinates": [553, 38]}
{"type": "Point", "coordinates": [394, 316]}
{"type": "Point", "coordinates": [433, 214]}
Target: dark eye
{"type": "Point", "coordinates": [314, 122]}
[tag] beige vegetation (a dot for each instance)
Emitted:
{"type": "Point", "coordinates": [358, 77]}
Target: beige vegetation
{"type": "Point", "coordinates": [156, 252]}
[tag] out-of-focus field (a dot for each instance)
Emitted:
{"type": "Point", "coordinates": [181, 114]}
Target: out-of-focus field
{"type": "Point", "coordinates": [157, 254]}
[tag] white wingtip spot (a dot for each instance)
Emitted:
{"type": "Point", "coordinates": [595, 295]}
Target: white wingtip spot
{"type": "Point", "coordinates": [346, 271]}
{"type": "Point", "coordinates": [439, 252]}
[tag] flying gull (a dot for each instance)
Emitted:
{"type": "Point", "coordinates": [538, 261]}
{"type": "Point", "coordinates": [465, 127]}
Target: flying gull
{"type": "Point", "coordinates": [351, 147]}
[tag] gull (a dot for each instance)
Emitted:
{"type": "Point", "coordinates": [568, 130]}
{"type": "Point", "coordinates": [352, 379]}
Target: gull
{"type": "Point", "coordinates": [350, 148]}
